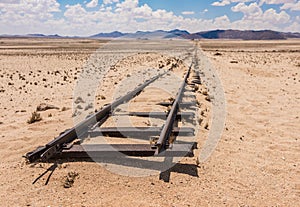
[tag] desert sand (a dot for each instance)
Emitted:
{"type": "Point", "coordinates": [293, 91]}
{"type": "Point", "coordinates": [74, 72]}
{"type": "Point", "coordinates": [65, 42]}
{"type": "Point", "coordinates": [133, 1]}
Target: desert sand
{"type": "Point", "coordinates": [256, 162]}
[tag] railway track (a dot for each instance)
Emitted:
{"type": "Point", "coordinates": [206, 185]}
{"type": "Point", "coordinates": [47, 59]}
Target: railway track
{"type": "Point", "coordinates": [162, 139]}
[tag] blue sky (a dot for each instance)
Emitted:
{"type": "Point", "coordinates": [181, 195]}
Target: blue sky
{"type": "Point", "coordinates": [87, 17]}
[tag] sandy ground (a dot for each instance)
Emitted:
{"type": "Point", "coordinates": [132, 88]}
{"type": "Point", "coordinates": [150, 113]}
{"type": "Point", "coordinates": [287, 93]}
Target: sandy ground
{"type": "Point", "coordinates": [256, 162]}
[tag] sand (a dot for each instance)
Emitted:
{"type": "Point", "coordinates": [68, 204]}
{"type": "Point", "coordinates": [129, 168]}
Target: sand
{"type": "Point", "coordinates": [256, 162]}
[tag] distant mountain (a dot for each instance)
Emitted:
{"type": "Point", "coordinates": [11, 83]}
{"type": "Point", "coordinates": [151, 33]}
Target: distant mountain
{"type": "Point", "coordinates": [172, 34]}
{"type": "Point", "coordinates": [291, 35]}
{"type": "Point", "coordinates": [114, 34]}
{"type": "Point", "coordinates": [177, 33]}
{"type": "Point", "coordinates": [42, 35]}
{"type": "Point", "coordinates": [35, 35]}
{"type": "Point", "coordinates": [157, 34]}
{"type": "Point", "coordinates": [213, 34]}
{"type": "Point", "coordinates": [238, 34]}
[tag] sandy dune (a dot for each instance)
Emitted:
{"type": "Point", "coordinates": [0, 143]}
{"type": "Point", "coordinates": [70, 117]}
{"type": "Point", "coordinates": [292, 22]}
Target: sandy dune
{"type": "Point", "coordinates": [256, 162]}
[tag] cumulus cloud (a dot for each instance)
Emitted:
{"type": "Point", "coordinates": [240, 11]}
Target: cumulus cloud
{"type": "Point", "coordinates": [110, 1]}
{"type": "Point", "coordinates": [222, 22]}
{"type": "Point", "coordinates": [5, 2]}
{"type": "Point", "coordinates": [251, 11]}
{"type": "Point", "coordinates": [294, 6]}
{"type": "Point", "coordinates": [276, 18]}
{"type": "Point", "coordinates": [255, 18]}
{"type": "Point", "coordinates": [227, 2]}
{"type": "Point", "coordinates": [29, 9]}
{"type": "Point", "coordinates": [92, 4]}
{"type": "Point", "coordinates": [9, 1]}
{"type": "Point", "coordinates": [127, 5]}
{"type": "Point", "coordinates": [221, 3]}
{"type": "Point", "coordinates": [187, 12]}
{"type": "Point", "coordinates": [276, 1]}
{"type": "Point", "coordinates": [37, 16]}
{"type": "Point", "coordinates": [28, 16]}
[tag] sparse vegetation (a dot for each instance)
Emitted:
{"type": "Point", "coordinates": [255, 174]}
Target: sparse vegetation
{"type": "Point", "coordinates": [64, 108]}
{"type": "Point", "coordinates": [79, 100]}
{"type": "Point", "coordinates": [69, 179]}
{"type": "Point", "coordinates": [35, 117]}
{"type": "Point", "coordinates": [217, 54]}
{"type": "Point", "coordinates": [206, 126]}
{"type": "Point", "coordinates": [200, 120]}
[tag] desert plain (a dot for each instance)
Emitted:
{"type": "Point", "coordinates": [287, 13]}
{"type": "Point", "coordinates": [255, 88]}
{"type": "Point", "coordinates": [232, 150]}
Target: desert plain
{"type": "Point", "coordinates": [256, 162]}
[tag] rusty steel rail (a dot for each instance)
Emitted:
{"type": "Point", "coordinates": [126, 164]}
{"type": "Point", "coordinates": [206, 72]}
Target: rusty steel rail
{"type": "Point", "coordinates": [63, 147]}
{"type": "Point", "coordinates": [165, 134]}
{"type": "Point", "coordinates": [49, 150]}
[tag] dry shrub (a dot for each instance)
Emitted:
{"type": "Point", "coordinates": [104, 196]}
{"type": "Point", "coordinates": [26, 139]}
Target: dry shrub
{"type": "Point", "coordinates": [35, 117]}
{"type": "Point", "coordinates": [69, 179]}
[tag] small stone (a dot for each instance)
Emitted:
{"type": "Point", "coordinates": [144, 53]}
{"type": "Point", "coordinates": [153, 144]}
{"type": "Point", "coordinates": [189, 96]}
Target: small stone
{"type": "Point", "coordinates": [79, 100]}
{"type": "Point", "coordinates": [79, 107]}
{"type": "Point", "coordinates": [89, 106]}
{"type": "Point", "coordinates": [44, 107]}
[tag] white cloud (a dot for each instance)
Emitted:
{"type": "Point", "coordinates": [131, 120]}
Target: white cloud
{"type": "Point", "coordinates": [222, 22]}
{"type": "Point", "coordinates": [221, 3]}
{"type": "Point", "coordinates": [227, 2]}
{"type": "Point", "coordinates": [9, 1]}
{"type": "Point", "coordinates": [28, 9]}
{"type": "Point", "coordinates": [187, 12]}
{"type": "Point", "coordinates": [250, 11]}
{"type": "Point", "coordinates": [275, 1]}
{"type": "Point", "coordinates": [92, 4]}
{"type": "Point", "coordinates": [75, 13]}
{"type": "Point", "coordinates": [127, 5]}
{"type": "Point", "coordinates": [29, 16]}
{"type": "Point", "coordinates": [291, 6]}
{"type": "Point", "coordinates": [110, 1]}
{"type": "Point", "coordinates": [276, 18]}
{"type": "Point", "coordinates": [37, 16]}
{"type": "Point", "coordinates": [255, 18]}
{"type": "Point", "coordinates": [143, 12]}
{"type": "Point", "coordinates": [204, 11]}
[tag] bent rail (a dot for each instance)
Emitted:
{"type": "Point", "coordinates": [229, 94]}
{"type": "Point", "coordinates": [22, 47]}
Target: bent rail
{"type": "Point", "coordinates": [49, 150]}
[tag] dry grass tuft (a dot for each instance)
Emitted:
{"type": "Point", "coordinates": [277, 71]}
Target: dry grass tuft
{"type": "Point", "coordinates": [35, 117]}
{"type": "Point", "coordinates": [69, 179]}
